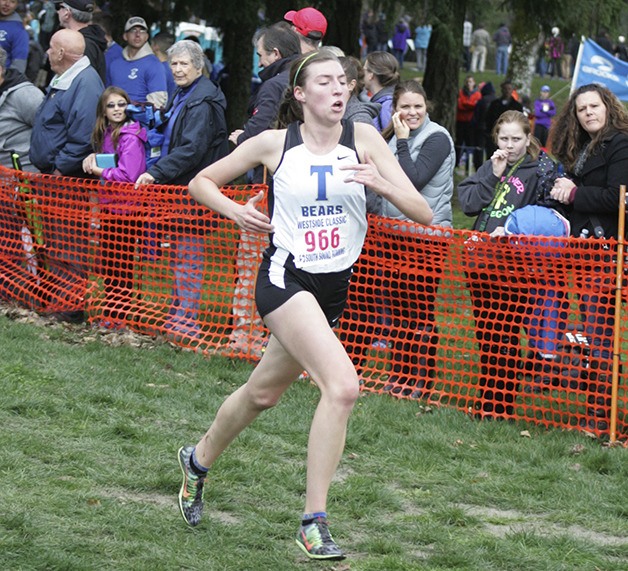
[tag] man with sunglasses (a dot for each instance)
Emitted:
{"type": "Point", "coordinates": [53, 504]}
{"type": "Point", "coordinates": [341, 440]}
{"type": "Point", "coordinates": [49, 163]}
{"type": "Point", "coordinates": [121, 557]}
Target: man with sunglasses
{"type": "Point", "coordinates": [77, 15]}
{"type": "Point", "coordinates": [138, 71]}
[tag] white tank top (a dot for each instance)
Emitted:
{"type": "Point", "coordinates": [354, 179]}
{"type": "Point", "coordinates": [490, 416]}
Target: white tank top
{"type": "Point", "coordinates": [318, 218]}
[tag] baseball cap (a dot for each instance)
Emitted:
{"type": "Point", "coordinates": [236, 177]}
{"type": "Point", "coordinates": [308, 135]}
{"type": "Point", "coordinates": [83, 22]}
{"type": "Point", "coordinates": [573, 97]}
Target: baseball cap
{"type": "Point", "coordinates": [135, 21]}
{"type": "Point", "coordinates": [80, 5]}
{"type": "Point", "coordinates": [545, 88]}
{"type": "Point", "coordinates": [309, 22]}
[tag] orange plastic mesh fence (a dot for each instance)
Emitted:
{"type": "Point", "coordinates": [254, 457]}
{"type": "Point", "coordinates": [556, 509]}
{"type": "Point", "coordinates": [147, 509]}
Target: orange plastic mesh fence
{"type": "Point", "coordinates": [514, 327]}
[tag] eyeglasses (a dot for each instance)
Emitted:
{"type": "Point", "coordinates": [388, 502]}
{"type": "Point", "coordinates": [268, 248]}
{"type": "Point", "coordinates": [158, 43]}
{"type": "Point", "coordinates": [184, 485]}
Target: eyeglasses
{"type": "Point", "coordinates": [120, 104]}
{"type": "Point", "coordinates": [137, 31]}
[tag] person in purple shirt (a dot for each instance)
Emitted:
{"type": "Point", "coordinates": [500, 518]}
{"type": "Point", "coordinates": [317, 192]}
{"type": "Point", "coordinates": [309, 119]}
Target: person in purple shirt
{"type": "Point", "coordinates": [400, 41]}
{"type": "Point", "coordinates": [115, 134]}
{"type": "Point", "coordinates": [544, 110]}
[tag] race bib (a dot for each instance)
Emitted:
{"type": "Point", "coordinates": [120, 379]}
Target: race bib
{"type": "Point", "coordinates": [321, 240]}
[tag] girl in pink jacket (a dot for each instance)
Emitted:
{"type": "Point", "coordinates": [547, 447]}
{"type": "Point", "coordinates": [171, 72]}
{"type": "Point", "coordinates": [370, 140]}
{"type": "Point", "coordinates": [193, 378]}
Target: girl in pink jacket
{"type": "Point", "coordinates": [114, 134]}
{"type": "Point", "coordinates": [119, 157]}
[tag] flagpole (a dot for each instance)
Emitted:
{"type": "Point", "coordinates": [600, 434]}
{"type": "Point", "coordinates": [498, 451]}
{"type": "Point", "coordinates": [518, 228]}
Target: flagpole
{"type": "Point", "coordinates": [618, 316]}
{"type": "Point", "coordinates": [574, 79]}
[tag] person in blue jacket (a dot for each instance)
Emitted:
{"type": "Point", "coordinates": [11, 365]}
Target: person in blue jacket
{"type": "Point", "coordinates": [277, 47]}
{"type": "Point", "coordinates": [422, 36]}
{"type": "Point", "coordinates": [60, 140]}
{"type": "Point", "coordinates": [62, 131]}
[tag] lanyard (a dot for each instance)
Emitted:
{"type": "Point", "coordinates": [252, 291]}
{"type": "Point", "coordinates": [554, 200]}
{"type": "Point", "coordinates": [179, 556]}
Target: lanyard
{"type": "Point", "coordinates": [501, 186]}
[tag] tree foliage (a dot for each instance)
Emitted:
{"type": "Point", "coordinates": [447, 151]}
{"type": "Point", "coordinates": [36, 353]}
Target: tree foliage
{"type": "Point", "coordinates": [527, 19]}
{"type": "Point", "coordinates": [531, 21]}
{"type": "Point", "coordinates": [238, 22]}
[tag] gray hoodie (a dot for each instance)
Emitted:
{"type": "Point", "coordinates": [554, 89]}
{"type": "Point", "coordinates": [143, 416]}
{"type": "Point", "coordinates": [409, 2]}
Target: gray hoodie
{"type": "Point", "coordinates": [361, 111]}
{"type": "Point", "coordinates": [19, 101]}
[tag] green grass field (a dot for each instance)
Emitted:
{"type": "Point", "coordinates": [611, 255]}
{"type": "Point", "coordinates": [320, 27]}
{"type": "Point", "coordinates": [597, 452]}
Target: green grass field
{"type": "Point", "coordinates": [90, 422]}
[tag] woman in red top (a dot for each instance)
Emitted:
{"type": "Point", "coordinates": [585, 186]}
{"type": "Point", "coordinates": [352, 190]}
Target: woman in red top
{"type": "Point", "coordinates": [468, 98]}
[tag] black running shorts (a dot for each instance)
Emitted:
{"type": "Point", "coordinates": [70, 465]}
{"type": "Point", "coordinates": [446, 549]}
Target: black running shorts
{"type": "Point", "coordinates": [278, 280]}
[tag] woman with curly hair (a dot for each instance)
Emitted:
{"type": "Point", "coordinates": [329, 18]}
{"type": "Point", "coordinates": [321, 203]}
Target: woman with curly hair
{"type": "Point", "coordinates": [590, 138]}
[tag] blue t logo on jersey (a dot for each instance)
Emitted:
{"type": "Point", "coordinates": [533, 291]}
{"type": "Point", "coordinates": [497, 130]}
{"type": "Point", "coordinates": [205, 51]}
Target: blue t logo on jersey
{"type": "Point", "coordinates": [322, 171]}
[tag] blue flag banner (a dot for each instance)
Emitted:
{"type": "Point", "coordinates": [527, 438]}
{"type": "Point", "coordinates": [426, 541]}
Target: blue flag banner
{"type": "Point", "coordinates": [596, 65]}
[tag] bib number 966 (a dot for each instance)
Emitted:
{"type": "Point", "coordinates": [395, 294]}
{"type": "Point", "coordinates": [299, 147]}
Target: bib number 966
{"type": "Point", "coordinates": [322, 240]}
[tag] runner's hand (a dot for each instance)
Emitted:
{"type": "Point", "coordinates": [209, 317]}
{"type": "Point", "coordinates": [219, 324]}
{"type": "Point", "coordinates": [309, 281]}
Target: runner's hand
{"type": "Point", "coordinates": [365, 173]}
{"type": "Point", "coordinates": [250, 219]}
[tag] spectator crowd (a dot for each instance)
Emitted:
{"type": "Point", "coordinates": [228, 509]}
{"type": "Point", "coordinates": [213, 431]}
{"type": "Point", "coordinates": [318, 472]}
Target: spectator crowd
{"type": "Point", "coordinates": [64, 114]}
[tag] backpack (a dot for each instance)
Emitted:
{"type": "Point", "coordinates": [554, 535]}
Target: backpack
{"type": "Point", "coordinates": [152, 120]}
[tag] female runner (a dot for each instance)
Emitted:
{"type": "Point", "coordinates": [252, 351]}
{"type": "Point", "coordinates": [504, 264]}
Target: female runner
{"type": "Point", "coordinates": [320, 166]}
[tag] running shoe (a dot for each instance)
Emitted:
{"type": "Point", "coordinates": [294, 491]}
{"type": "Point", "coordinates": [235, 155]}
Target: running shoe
{"type": "Point", "coordinates": [316, 541]}
{"type": "Point", "coordinates": [191, 492]}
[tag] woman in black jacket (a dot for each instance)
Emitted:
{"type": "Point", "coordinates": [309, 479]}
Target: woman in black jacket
{"type": "Point", "coordinates": [590, 138]}
{"type": "Point", "coordinates": [195, 136]}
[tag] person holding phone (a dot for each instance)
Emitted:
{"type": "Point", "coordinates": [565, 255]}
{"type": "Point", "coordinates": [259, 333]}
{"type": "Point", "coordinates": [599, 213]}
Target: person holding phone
{"type": "Point", "coordinates": [426, 153]}
{"type": "Point", "coordinates": [115, 134]}
{"type": "Point", "coordinates": [119, 156]}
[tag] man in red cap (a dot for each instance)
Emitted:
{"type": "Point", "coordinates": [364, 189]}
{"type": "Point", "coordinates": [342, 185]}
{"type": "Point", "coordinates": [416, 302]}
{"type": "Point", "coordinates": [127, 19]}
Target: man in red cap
{"type": "Point", "coordinates": [311, 26]}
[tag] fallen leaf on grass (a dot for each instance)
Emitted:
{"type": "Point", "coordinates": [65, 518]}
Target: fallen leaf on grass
{"type": "Point", "coordinates": [423, 410]}
{"type": "Point", "coordinates": [616, 444]}
{"type": "Point", "coordinates": [525, 434]}
{"type": "Point", "coordinates": [352, 456]}
{"type": "Point", "coordinates": [577, 449]}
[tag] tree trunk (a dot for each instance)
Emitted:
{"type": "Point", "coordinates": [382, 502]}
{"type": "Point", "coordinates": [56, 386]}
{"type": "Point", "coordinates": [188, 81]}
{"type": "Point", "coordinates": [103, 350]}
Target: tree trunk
{"type": "Point", "coordinates": [343, 25]}
{"type": "Point", "coordinates": [526, 41]}
{"type": "Point", "coordinates": [238, 24]}
{"type": "Point", "coordinates": [443, 61]}
{"type": "Point", "coordinates": [276, 9]}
